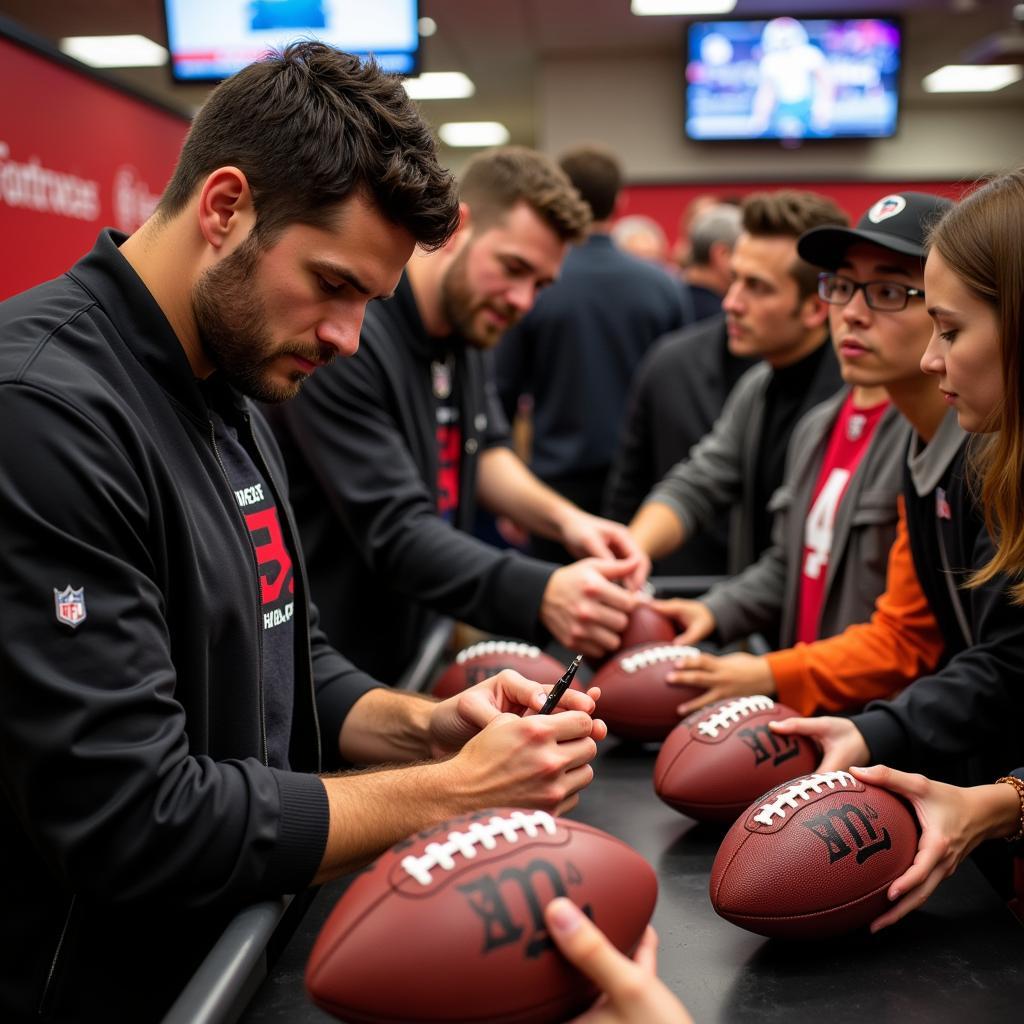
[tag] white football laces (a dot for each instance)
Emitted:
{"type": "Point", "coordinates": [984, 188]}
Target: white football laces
{"type": "Point", "coordinates": [479, 833]}
{"type": "Point", "coordinates": [801, 790]}
{"type": "Point", "coordinates": [512, 647]}
{"type": "Point", "coordinates": [729, 714]}
{"type": "Point", "coordinates": [653, 655]}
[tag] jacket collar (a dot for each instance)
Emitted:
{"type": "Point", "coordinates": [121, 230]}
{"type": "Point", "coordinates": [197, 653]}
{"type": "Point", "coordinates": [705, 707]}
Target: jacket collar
{"type": "Point", "coordinates": [109, 278]}
{"type": "Point", "coordinates": [402, 306]}
{"type": "Point", "coordinates": [928, 462]}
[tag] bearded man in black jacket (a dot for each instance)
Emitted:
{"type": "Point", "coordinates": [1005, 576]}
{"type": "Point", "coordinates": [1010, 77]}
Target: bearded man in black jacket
{"type": "Point", "coordinates": [389, 452]}
{"type": "Point", "coordinates": [166, 698]}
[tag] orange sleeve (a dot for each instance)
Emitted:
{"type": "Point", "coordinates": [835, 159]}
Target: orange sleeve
{"type": "Point", "coordinates": [872, 659]}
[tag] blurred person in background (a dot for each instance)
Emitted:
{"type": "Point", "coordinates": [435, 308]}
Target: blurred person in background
{"type": "Point", "coordinates": [574, 354]}
{"type": "Point", "coordinates": [677, 394]}
{"type": "Point", "coordinates": [641, 236]}
{"type": "Point", "coordinates": [390, 452]}
{"type": "Point", "coordinates": [773, 311]}
{"type": "Point", "coordinates": [709, 272]}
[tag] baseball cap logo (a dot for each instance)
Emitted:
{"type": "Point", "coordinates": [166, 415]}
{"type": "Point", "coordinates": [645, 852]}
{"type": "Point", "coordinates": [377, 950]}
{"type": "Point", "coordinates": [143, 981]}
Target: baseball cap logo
{"type": "Point", "coordinates": [886, 208]}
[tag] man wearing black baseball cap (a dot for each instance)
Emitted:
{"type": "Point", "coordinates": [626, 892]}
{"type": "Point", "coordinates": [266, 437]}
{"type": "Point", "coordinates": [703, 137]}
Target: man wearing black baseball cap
{"type": "Point", "coordinates": [897, 223]}
{"type": "Point", "coordinates": [838, 506]}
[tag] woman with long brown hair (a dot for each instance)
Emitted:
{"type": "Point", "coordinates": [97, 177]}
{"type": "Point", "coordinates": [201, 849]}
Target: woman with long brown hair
{"type": "Point", "coordinates": [974, 290]}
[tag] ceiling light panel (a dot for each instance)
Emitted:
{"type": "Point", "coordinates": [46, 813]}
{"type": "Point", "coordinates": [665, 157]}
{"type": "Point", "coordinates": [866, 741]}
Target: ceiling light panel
{"type": "Point", "coordinates": [115, 51]}
{"type": "Point", "coordinates": [653, 7]}
{"type": "Point", "coordinates": [972, 77]}
{"type": "Point", "coordinates": [473, 133]}
{"type": "Point", "coordinates": [439, 85]}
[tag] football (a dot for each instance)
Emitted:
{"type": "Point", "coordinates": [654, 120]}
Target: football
{"type": "Point", "coordinates": [448, 925]}
{"type": "Point", "coordinates": [813, 857]}
{"type": "Point", "coordinates": [483, 660]}
{"type": "Point", "coordinates": [637, 702]}
{"type": "Point", "coordinates": [647, 626]}
{"type": "Point", "coordinates": [723, 756]}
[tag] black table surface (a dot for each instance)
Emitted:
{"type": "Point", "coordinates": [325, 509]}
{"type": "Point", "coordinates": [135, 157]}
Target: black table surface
{"type": "Point", "coordinates": [960, 958]}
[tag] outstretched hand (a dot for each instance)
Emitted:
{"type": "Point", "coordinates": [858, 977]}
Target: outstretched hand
{"type": "Point", "coordinates": [840, 740]}
{"type": "Point", "coordinates": [584, 535]}
{"type": "Point", "coordinates": [722, 678]}
{"type": "Point", "coordinates": [953, 822]}
{"type": "Point", "coordinates": [584, 607]}
{"type": "Point", "coordinates": [694, 619]}
{"type": "Point", "coordinates": [633, 993]}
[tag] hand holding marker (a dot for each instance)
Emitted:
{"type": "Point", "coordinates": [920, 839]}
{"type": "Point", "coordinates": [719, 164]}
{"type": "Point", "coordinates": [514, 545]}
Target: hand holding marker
{"type": "Point", "coordinates": [561, 686]}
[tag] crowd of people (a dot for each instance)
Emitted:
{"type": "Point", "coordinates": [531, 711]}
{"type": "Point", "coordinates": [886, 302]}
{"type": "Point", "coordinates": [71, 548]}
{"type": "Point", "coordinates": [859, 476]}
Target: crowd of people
{"type": "Point", "coordinates": [246, 449]}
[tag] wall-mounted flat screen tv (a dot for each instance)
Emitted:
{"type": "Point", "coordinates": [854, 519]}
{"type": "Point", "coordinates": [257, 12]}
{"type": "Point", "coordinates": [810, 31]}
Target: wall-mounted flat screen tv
{"type": "Point", "coordinates": [792, 78]}
{"type": "Point", "coordinates": [212, 40]}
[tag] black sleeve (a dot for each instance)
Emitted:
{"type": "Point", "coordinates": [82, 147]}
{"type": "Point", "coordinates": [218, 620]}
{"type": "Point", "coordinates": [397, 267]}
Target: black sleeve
{"type": "Point", "coordinates": [971, 706]}
{"type": "Point", "coordinates": [344, 427]}
{"type": "Point", "coordinates": [632, 473]}
{"type": "Point", "coordinates": [95, 757]}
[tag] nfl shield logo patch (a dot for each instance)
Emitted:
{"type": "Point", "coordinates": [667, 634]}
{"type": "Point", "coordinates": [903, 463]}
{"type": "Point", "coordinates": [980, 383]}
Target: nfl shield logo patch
{"type": "Point", "coordinates": [70, 606]}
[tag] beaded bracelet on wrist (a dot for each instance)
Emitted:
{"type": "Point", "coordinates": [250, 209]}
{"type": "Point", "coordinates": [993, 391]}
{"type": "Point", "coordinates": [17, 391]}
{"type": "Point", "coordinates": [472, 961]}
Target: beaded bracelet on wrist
{"type": "Point", "coordinates": [1018, 785]}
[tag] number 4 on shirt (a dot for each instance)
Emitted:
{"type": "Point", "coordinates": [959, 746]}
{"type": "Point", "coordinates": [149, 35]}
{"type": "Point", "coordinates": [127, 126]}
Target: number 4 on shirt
{"type": "Point", "coordinates": [820, 522]}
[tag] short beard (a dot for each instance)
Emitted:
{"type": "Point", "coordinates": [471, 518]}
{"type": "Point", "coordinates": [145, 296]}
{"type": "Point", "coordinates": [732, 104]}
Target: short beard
{"type": "Point", "coordinates": [233, 329]}
{"type": "Point", "coordinates": [456, 302]}
{"type": "Point", "coordinates": [461, 309]}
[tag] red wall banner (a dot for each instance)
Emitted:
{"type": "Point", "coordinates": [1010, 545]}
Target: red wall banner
{"type": "Point", "coordinates": [76, 155]}
{"type": "Point", "coordinates": [665, 203]}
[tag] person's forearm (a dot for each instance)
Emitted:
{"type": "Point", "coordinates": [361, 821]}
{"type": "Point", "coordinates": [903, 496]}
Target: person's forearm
{"type": "Point", "coordinates": [657, 529]}
{"type": "Point", "coordinates": [507, 487]}
{"type": "Point", "coordinates": [996, 810]}
{"type": "Point", "coordinates": [387, 726]}
{"type": "Point", "coordinates": [370, 811]}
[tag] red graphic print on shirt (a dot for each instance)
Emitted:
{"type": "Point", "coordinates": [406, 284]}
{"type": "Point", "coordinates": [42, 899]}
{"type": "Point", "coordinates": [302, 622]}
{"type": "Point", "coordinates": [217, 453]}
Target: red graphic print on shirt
{"type": "Point", "coordinates": [449, 450]}
{"type": "Point", "coordinates": [847, 444]}
{"type": "Point", "coordinates": [274, 561]}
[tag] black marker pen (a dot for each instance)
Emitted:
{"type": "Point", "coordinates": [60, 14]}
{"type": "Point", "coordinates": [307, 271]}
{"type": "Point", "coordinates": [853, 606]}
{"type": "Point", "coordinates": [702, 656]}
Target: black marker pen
{"type": "Point", "coordinates": [560, 687]}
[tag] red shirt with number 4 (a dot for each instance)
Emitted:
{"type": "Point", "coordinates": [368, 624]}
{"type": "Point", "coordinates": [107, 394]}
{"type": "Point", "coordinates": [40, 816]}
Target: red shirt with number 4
{"type": "Point", "coordinates": [847, 444]}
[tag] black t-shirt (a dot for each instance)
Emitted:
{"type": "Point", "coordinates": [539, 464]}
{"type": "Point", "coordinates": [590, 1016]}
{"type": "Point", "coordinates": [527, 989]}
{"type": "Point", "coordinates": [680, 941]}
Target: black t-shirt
{"type": "Point", "coordinates": [785, 401]}
{"type": "Point", "coordinates": [276, 579]}
{"type": "Point", "coordinates": [448, 432]}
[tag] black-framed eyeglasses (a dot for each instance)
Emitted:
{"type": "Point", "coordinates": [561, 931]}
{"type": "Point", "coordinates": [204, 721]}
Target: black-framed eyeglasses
{"type": "Point", "coordinates": [884, 296]}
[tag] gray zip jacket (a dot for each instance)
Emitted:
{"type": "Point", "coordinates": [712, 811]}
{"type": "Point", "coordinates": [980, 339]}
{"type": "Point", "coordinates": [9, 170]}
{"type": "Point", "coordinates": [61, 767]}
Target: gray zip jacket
{"type": "Point", "coordinates": [766, 593]}
{"type": "Point", "coordinates": [717, 478]}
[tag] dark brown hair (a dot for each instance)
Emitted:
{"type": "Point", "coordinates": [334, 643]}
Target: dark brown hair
{"type": "Point", "coordinates": [788, 214]}
{"type": "Point", "coordinates": [495, 181]}
{"type": "Point", "coordinates": [309, 127]}
{"type": "Point", "coordinates": [980, 241]}
{"type": "Point", "coordinates": [596, 173]}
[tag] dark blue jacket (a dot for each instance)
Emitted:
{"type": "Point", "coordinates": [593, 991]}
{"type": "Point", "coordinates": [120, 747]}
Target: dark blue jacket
{"type": "Point", "coordinates": [576, 352]}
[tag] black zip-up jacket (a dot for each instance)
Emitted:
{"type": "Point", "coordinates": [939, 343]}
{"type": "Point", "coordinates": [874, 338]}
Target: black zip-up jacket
{"type": "Point", "coordinates": [675, 397]}
{"type": "Point", "coordinates": [137, 813]}
{"type": "Point", "coordinates": [962, 723]}
{"type": "Point", "coordinates": [360, 442]}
